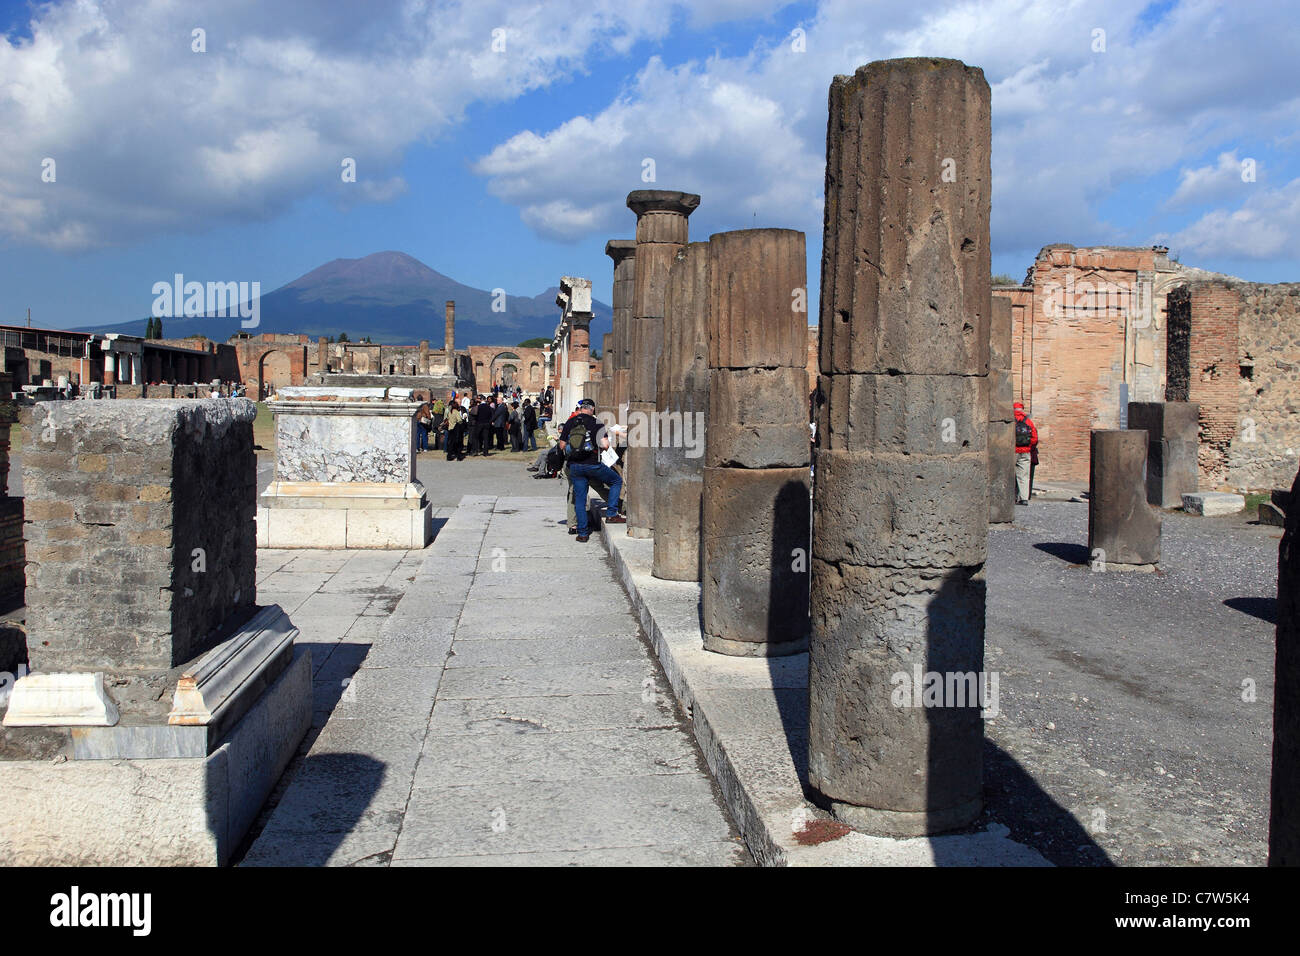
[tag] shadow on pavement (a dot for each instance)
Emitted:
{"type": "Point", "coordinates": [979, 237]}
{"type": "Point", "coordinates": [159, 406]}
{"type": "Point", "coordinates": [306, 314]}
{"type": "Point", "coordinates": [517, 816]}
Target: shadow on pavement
{"type": "Point", "coordinates": [1264, 608]}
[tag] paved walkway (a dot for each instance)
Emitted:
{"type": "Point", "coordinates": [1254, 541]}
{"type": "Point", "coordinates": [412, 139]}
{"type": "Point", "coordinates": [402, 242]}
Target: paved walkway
{"type": "Point", "coordinates": [505, 712]}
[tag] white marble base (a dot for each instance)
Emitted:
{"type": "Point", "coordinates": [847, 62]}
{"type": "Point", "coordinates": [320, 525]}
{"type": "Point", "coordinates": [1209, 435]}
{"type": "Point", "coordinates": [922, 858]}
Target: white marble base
{"type": "Point", "coordinates": [335, 528]}
{"type": "Point", "coordinates": [60, 700]}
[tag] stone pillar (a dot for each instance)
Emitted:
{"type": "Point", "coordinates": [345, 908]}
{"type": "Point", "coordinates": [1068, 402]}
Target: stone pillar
{"type": "Point", "coordinates": [1284, 810]}
{"type": "Point", "coordinates": [755, 525]}
{"type": "Point", "coordinates": [661, 230]}
{"type": "Point", "coordinates": [137, 376]}
{"type": "Point", "coordinates": [623, 252]}
{"type": "Point", "coordinates": [322, 355]}
{"type": "Point", "coordinates": [422, 363]}
{"type": "Point", "coordinates": [1173, 438]}
{"type": "Point", "coordinates": [1002, 419]}
{"type": "Point", "coordinates": [901, 511]}
{"type": "Point", "coordinates": [449, 335]}
{"type": "Point", "coordinates": [110, 367]}
{"type": "Point", "coordinates": [580, 354]}
{"type": "Point", "coordinates": [683, 397]}
{"type": "Point", "coordinates": [1123, 530]}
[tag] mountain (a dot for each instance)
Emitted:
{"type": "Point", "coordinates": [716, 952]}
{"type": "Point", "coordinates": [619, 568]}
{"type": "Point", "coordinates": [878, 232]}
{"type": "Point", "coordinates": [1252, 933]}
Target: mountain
{"type": "Point", "coordinates": [394, 298]}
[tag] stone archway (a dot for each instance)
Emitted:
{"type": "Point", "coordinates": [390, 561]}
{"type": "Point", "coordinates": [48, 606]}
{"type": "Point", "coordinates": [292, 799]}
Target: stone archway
{"type": "Point", "coordinates": [273, 372]}
{"type": "Point", "coordinates": [505, 369]}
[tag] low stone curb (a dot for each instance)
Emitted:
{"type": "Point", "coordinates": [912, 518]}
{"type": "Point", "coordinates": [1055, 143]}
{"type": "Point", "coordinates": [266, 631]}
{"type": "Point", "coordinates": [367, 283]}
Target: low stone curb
{"type": "Point", "coordinates": [750, 719]}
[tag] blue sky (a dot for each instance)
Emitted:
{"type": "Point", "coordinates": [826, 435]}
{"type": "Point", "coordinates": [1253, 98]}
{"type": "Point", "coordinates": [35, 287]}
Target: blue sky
{"type": "Point", "coordinates": [509, 167]}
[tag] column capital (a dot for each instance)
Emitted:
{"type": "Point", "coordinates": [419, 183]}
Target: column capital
{"type": "Point", "coordinates": [642, 201]}
{"type": "Point", "coordinates": [620, 249]}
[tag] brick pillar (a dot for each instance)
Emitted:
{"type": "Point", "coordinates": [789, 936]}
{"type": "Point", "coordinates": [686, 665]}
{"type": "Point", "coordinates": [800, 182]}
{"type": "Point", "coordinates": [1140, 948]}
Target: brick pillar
{"type": "Point", "coordinates": [110, 368]}
{"type": "Point", "coordinates": [124, 519]}
{"type": "Point", "coordinates": [661, 230]}
{"type": "Point", "coordinates": [900, 513]}
{"type": "Point", "coordinates": [1002, 419]}
{"type": "Point", "coordinates": [623, 252]}
{"type": "Point", "coordinates": [754, 528]}
{"type": "Point", "coordinates": [683, 396]}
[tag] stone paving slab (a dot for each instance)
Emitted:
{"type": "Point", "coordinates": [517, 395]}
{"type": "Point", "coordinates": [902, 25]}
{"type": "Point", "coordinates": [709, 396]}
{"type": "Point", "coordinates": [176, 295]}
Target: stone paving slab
{"type": "Point", "coordinates": [478, 727]}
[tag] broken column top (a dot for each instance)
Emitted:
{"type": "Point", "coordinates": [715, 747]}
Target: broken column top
{"type": "Point", "coordinates": [146, 420]}
{"type": "Point", "coordinates": [620, 249]}
{"type": "Point", "coordinates": [911, 64]}
{"type": "Point", "coordinates": [574, 294]}
{"type": "Point", "coordinates": [642, 201]}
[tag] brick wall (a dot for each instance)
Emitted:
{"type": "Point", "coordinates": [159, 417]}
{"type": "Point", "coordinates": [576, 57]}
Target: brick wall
{"type": "Point", "coordinates": [1268, 391]}
{"type": "Point", "coordinates": [1213, 372]}
{"type": "Point", "coordinates": [120, 495]}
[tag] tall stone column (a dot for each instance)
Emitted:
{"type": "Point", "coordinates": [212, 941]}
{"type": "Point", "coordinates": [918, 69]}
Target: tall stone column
{"type": "Point", "coordinates": [683, 397]}
{"type": "Point", "coordinates": [755, 524]}
{"type": "Point", "coordinates": [110, 367]}
{"type": "Point", "coordinates": [449, 335]}
{"type": "Point", "coordinates": [623, 252]}
{"type": "Point", "coordinates": [661, 230]}
{"type": "Point", "coordinates": [606, 393]}
{"type": "Point", "coordinates": [322, 355]}
{"type": "Point", "coordinates": [1284, 809]}
{"type": "Point", "coordinates": [1002, 417]}
{"type": "Point", "coordinates": [900, 509]}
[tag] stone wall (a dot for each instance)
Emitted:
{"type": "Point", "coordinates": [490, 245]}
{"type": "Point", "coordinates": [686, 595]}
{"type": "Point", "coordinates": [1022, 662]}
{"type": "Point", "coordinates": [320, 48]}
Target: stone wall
{"type": "Point", "coordinates": [113, 489]}
{"type": "Point", "coordinates": [12, 559]}
{"type": "Point", "coordinates": [1268, 390]}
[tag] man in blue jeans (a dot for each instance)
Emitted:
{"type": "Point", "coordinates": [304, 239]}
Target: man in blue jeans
{"type": "Point", "coordinates": [583, 438]}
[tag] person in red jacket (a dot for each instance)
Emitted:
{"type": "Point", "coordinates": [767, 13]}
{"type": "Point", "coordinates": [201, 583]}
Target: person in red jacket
{"type": "Point", "coordinates": [1026, 453]}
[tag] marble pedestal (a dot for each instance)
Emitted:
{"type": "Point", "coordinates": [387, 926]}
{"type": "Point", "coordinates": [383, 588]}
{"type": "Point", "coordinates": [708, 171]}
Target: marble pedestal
{"type": "Point", "coordinates": [344, 472]}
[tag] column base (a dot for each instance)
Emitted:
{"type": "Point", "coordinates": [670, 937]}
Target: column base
{"type": "Point", "coordinates": [904, 823]}
{"type": "Point", "coordinates": [721, 645]}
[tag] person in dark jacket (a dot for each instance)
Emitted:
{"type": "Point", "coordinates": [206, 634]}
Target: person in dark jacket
{"type": "Point", "coordinates": [584, 466]}
{"type": "Point", "coordinates": [530, 426]}
{"type": "Point", "coordinates": [483, 428]}
{"type": "Point", "coordinates": [500, 421]}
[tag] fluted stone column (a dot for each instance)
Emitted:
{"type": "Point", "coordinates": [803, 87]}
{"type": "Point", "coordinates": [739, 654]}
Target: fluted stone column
{"type": "Point", "coordinates": [661, 230]}
{"type": "Point", "coordinates": [683, 390]}
{"type": "Point", "coordinates": [623, 252]}
{"type": "Point", "coordinates": [900, 510]}
{"type": "Point", "coordinates": [1002, 418]}
{"type": "Point", "coordinates": [755, 525]}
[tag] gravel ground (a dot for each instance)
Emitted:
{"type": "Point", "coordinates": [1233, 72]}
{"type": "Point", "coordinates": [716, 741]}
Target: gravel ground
{"type": "Point", "coordinates": [1123, 735]}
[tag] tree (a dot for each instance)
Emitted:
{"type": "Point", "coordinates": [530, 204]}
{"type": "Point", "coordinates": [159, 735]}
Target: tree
{"type": "Point", "coordinates": [1004, 279]}
{"type": "Point", "coordinates": [148, 328]}
{"type": "Point", "coordinates": [343, 337]}
{"type": "Point", "coordinates": [537, 343]}
{"type": "Point", "coordinates": [157, 328]}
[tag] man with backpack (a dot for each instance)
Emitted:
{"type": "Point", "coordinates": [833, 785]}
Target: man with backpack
{"type": "Point", "coordinates": [1026, 453]}
{"type": "Point", "coordinates": [582, 439]}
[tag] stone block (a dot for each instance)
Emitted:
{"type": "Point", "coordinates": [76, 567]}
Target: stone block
{"type": "Point", "coordinates": [1122, 528]}
{"type": "Point", "coordinates": [1173, 441]}
{"type": "Point", "coordinates": [1210, 504]}
{"type": "Point", "coordinates": [1000, 334]}
{"type": "Point", "coordinates": [895, 510]}
{"type": "Point", "coordinates": [679, 500]}
{"type": "Point", "coordinates": [754, 542]}
{"type": "Point", "coordinates": [913, 414]}
{"type": "Point", "coordinates": [757, 418]}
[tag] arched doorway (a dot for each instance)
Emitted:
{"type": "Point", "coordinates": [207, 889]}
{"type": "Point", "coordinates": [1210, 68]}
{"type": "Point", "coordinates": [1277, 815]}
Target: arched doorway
{"type": "Point", "coordinates": [505, 369]}
{"type": "Point", "coordinates": [273, 373]}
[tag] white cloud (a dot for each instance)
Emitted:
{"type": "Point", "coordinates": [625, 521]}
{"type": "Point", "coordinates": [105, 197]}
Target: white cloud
{"type": "Point", "coordinates": [1266, 226]}
{"type": "Point", "coordinates": [1071, 125]}
{"type": "Point", "coordinates": [151, 137]}
{"type": "Point", "coordinates": [1204, 184]}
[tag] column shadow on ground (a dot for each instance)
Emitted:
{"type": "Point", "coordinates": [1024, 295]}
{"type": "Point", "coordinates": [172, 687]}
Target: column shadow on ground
{"type": "Point", "coordinates": [1068, 552]}
{"type": "Point", "coordinates": [1264, 608]}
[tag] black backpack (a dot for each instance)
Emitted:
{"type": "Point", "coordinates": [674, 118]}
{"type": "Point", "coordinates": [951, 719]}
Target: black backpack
{"type": "Point", "coordinates": [1024, 434]}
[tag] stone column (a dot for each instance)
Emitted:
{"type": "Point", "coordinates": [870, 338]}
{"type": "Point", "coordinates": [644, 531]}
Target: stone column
{"type": "Point", "coordinates": [1002, 419]}
{"type": "Point", "coordinates": [449, 335]}
{"type": "Point", "coordinates": [322, 355]}
{"type": "Point", "coordinates": [1123, 530]}
{"type": "Point", "coordinates": [683, 396]}
{"type": "Point", "coordinates": [754, 528]}
{"type": "Point", "coordinates": [422, 361]}
{"type": "Point", "coordinates": [1173, 438]}
{"type": "Point", "coordinates": [900, 513]}
{"type": "Point", "coordinates": [661, 230]}
{"type": "Point", "coordinates": [110, 367]}
{"type": "Point", "coordinates": [623, 252]}
{"type": "Point", "coordinates": [137, 375]}
{"type": "Point", "coordinates": [1284, 810]}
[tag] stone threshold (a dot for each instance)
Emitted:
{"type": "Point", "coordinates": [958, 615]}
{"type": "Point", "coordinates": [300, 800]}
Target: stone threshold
{"type": "Point", "coordinates": [750, 719]}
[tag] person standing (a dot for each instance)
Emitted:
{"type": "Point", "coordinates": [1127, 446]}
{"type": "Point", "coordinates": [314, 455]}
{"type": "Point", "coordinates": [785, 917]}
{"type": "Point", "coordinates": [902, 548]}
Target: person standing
{"type": "Point", "coordinates": [455, 428]}
{"type": "Point", "coordinates": [582, 440]}
{"type": "Point", "coordinates": [1026, 453]}
{"type": "Point", "coordinates": [483, 428]}
{"type": "Point", "coordinates": [439, 409]}
{"type": "Point", "coordinates": [423, 422]}
{"type": "Point", "coordinates": [500, 421]}
{"type": "Point", "coordinates": [530, 426]}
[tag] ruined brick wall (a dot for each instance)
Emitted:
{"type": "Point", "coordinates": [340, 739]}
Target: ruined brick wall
{"type": "Point", "coordinates": [1212, 351]}
{"type": "Point", "coordinates": [141, 543]}
{"type": "Point", "coordinates": [1268, 387]}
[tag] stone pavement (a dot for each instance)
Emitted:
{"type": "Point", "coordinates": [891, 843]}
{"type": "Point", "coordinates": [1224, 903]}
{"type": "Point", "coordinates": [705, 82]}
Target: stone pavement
{"type": "Point", "coordinates": [494, 717]}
